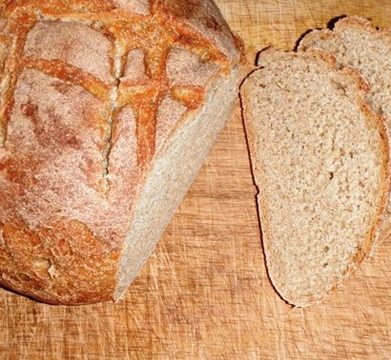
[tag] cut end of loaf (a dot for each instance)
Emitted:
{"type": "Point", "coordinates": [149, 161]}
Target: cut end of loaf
{"type": "Point", "coordinates": [163, 191]}
{"type": "Point", "coordinates": [320, 159]}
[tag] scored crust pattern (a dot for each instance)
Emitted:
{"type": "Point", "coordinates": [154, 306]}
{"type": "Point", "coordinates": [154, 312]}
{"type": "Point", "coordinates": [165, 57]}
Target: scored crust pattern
{"type": "Point", "coordinates": [67, 257]}
{"type": "Point", "coordinates": [155, 34]}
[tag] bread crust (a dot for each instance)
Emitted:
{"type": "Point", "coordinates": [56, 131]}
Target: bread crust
{"type": "Point", "coordinates": [79, 135]}
{"type": "Point", "coordinates": [374, 120]}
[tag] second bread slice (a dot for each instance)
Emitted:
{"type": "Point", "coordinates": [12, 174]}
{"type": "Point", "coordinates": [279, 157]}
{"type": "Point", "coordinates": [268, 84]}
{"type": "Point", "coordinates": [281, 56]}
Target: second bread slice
{"type": "Point", "coordinates": [355, 42]}
{"type": "Point", "coordinates": [320, 160]}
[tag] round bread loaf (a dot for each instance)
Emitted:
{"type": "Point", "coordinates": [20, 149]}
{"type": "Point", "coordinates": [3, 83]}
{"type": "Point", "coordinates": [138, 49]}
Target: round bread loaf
{"type": "Point", "coordinates": [108, 108]}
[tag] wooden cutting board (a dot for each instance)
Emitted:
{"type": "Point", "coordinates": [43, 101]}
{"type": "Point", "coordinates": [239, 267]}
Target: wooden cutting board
{"type": "Point", "coordinates": [204, 294]}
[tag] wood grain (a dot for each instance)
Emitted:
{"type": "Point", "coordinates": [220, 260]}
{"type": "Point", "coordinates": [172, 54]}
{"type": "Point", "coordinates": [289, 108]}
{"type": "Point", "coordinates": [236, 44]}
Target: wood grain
{"type": "Point", "coordinates": [204, 294]}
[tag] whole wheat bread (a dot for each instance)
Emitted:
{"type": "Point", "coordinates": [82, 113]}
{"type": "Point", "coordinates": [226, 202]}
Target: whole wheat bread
{"type": "Point", "coordinates": [107, 110]}
{"type": "Point", "coordinates": [358, 44]}
{"type": "Point", "coordinates": [320, 160]}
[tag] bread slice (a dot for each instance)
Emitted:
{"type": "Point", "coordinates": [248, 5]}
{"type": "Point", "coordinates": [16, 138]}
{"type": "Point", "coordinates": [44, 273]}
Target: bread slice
{"type": "Point", "coordinates": [107, 111]}
{"type": "Point", "coordinates": [320, 160]}
{"type": "Point", "coordinates": [357, 43]}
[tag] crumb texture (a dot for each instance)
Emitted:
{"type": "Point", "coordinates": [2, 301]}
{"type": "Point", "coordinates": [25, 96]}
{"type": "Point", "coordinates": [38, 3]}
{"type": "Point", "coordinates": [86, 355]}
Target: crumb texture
{"type": "Point", "coordinates": [319, 162]}
{"type": "Point", "coordinates": [357, 43]}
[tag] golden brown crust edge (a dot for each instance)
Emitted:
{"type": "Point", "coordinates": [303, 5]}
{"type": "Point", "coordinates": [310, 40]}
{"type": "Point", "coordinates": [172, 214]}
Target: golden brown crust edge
{"type": "Point", "coordinates": [375, 120]}
{"type": "Point", "coordinates": [64, 264]}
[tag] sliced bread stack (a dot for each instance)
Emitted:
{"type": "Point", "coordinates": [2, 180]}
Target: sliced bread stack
{"type": "Point", "coordinates": [320, 156]}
